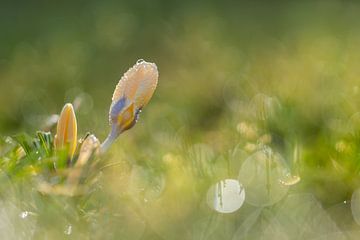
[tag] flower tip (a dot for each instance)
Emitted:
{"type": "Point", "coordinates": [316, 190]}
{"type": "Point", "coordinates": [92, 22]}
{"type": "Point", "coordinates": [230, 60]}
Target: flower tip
{"type": "Point", "coordinates": [68, 107]}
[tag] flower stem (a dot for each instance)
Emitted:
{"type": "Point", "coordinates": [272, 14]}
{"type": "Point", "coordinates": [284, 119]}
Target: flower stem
{"type": "Point", "coordinates": [109, 140]}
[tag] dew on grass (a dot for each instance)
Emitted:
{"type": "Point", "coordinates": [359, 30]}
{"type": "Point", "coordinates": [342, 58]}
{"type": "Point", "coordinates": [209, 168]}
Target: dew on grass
{"type": "Point", "coordinates": [226, 196]}
{"type": "Point", "coordinates": [14, 222]}
{"type": "Point", "coordinates": [261, 176]}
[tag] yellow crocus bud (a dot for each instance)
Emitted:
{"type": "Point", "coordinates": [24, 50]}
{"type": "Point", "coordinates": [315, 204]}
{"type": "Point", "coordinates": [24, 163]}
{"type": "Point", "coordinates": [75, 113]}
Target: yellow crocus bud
{"type": "Point", "coordinates": [131, 94]}
{"type": "Point", "coordinates": [66, 132]}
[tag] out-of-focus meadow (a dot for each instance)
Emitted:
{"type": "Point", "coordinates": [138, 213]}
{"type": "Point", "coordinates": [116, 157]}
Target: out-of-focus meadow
{"type": "Point", "coordinates": [253, 131]}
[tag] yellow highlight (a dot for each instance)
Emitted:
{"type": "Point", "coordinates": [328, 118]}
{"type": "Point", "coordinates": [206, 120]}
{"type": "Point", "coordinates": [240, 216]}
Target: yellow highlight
{"type": "Point", "coordinates": [66, 132]}
{"type": "Point", "coordinates": [127, 118]}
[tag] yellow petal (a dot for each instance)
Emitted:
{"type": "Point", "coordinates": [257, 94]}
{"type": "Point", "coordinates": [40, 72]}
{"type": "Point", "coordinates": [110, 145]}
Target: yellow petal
{"type": "Point", "coordinates": [66, 134]}
{"type": "Point", "coordinates": [127, 118]}
{"type": "Point", "coordinates": [137, 84]}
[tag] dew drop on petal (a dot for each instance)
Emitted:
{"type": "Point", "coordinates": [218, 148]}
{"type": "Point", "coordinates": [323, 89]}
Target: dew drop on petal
{"type": "Point", "coordinates": [139, 61]}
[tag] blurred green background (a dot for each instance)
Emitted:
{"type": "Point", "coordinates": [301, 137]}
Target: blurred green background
{"type": "Point", "coordinates": [52, 51]}
{"type": "Point", "coordinates": [289, 69]}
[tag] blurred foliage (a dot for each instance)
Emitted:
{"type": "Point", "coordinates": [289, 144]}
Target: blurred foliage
{"type": "Point", "coordinates": [235, 78]}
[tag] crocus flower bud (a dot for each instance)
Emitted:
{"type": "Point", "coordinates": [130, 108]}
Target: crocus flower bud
{"type": "Point", "coordinates": [89, 147]}
{"type": "Point", "coordinates": [131, 94]}
{"type": "Point", "coordinates": [66, 133]}
{"type": "Point", "coordinates": [138, 84]}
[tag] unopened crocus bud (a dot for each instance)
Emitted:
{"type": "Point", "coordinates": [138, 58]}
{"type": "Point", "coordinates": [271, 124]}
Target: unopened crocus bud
{"type": "Point", "coordinates": [131, 94]}
{"type": "Point", "coordinates": [89, 147]}
{"type": "Point", "coordinates": [137, 84]}
{"type": "Point", "coordinates": [66, 133]}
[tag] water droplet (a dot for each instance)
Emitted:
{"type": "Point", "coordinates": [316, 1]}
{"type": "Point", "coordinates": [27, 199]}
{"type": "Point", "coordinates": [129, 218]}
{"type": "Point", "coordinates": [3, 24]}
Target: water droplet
{"type": "Point", "coordinates": [68, 230]}
{"type": "Point", "coordinates": [290, 180]}
{"type": "Point", "coordinates": [24, 214]}
{"type": "Point", "coordinates": [226, 196]}
{"type": "Point", "coordinates": [140, 61]}
{"type": "Point", "coordinates": [8, 140]}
